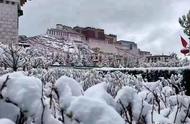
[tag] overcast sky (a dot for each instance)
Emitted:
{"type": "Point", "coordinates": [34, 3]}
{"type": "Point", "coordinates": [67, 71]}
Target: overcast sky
{"type": "Point", "coordinates": [152, 24]}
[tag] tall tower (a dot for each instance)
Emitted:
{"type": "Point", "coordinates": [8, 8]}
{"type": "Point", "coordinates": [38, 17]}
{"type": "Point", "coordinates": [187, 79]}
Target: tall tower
{"type": "Point", "coordinates": [9, 13]}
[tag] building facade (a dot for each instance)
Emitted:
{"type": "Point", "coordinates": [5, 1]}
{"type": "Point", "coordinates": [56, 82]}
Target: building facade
{"type": "Point", "coordinates": [9, 13]}
{"type": "Point", "coordinates": [144, 53]}
{"type": "Point", "coordinates": [65, 32]}
{"type": "Point", "coordinates": [158, 58]}
{"type": "Point", "coordinates": [107, 50]}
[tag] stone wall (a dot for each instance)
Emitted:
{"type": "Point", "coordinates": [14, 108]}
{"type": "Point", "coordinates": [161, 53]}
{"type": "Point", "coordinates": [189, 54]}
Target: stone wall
{"type": "Point", "coordinates": [8, 21]}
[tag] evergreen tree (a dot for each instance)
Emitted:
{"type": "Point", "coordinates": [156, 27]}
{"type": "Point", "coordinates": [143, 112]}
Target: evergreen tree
{"type": "Point", "coordinates": [185, 23]}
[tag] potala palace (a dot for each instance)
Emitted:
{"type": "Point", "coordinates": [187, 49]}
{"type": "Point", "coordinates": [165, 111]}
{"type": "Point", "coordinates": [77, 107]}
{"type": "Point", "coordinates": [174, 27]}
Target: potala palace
{"type": "Point", "coordinates": [86, 46]}
{"type": "Point", "coordinates": [89, 47]}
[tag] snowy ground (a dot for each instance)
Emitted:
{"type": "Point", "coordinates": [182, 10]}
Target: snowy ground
{"type": "Point", "coordinates": [60, 96]}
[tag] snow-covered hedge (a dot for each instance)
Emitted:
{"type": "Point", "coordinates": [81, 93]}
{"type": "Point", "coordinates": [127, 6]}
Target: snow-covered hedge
{"type": "Point", "coordinates": [154, 73]}
{"type": "Point", "coordinates": [91, 97]}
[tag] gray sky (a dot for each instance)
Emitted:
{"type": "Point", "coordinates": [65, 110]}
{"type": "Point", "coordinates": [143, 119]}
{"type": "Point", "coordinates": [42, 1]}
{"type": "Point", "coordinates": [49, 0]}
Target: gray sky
{"type": "Point", "coordinates": [152, 24]}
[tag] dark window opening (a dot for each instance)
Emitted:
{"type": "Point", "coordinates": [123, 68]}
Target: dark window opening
{"type": "Point", "coordinates": [131, 47]}
{"type": "Point", "coordinates": [13, 3]}
{"type": "Point", "coordinates": [1, 1]}
{"type": "Point", "coordinates": [7, 2]}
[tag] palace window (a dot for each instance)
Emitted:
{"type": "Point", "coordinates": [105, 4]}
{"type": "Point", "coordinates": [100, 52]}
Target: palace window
{"type": "Point", "coordinates": [7, 2]}
{"type": "Point", "coordinates": [13, 3]}
{"type": "Point", "coordinates": [1, 1]}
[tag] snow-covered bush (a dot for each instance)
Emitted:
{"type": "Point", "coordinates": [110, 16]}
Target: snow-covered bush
{"type": "Point", "coordinates": [91, 78]}
{"type": "Point", "coordinates": [67, 88]}
{"type": "Point", "coordinates": [87, 110]}
{"type": "Point", "coordinates": [6, 121]}
{"type": "Point", "coordinates": [70, 96]}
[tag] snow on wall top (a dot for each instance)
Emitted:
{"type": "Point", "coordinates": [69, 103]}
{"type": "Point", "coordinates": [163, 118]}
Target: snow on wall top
{"type": "Point", "coordinates": [142, 68]}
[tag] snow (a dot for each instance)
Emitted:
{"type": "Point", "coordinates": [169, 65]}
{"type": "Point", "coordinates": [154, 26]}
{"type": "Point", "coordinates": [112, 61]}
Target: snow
{"type": "Point", "coordinates": [10, 75]}
{"type": "Point", "coordinates": [99, 92]}
{"type": "Point", "coordinates": [168, 91]}
{"type": "Point", "coordinates": [56, 64]}
{"type": "Point", "coordinates": [67, 89]}
{"type": "Point", "coordinates": [26, 92]}
{"type": "Point", "coordinates": [138, 105]}
{"type": "Point", "coordinates": [124, 97]}
{"type": "Point", "coordinates": [142, 68]}
{"type": "Point", "coordinates": [8, 110]}
{"type": "Point", "coordinates": [73, 85]}
{"type": "Point", "coordinates": [175, 99]}
{"type": "Point", "coordinates": [157, 118]}
{"type": "Point", "coordinates": [49, 119]}
{"type": "Point", "coordinates": [64, 96]}
{"type": "Point", "coordinates": [146, 95]}
{"type": "Point", "coordinates": [92, 111]}
{"type": "Point", "coordinates": [44, 43]}
{"type": "Point", "coordinates": [6, 121]}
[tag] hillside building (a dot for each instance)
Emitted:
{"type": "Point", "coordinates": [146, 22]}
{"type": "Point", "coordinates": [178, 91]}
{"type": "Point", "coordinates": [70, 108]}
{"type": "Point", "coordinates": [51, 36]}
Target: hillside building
{"type": "Point", "coordinates": [144, 53]}
{"type": "Point", "coordinates": [158, 58]}
{"type": "Point", "coordinates": [65, 32]}
{"type": "Point", "coordinates": [106, 48]}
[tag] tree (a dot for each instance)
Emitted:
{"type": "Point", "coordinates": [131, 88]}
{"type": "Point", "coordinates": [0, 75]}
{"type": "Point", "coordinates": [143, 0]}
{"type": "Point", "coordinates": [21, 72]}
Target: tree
{"type": "Point", "coordinates": [22, 2]}
{"type": "Point", "coordinates": [185, 23]}
{"type": "Point", "coordinates": [14, 57]}
{"type": "Point", "coordinates": [37, 62]}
